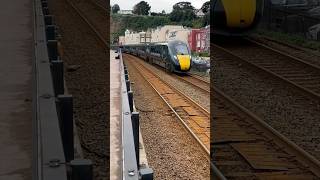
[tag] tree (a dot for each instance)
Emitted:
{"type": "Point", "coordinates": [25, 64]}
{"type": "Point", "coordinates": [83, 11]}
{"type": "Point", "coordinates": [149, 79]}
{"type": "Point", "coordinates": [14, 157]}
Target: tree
{"type": "Point", "coordinates": [206, 10]}
{"type": "Point", "coordinates": [142, 8]}
{"type": "Point", "coordinates": [182, 12]}
{"type": "Point", "coordinates": [163, 12]}
{"type": "Point", "coordinates": [206, 7]}
{"type": "Point", "coordinates": [115, 8]}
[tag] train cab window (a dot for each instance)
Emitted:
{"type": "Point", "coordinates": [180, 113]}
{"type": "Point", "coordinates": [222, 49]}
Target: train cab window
{"type": "Point", "coordinates": [181, 49]}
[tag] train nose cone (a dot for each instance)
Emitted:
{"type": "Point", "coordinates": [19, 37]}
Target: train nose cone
{"type": "Point", "coordinates": [184, 61]}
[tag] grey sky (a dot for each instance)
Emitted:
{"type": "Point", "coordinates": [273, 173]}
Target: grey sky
{"type": "Point", "coordinates": [156, 5]}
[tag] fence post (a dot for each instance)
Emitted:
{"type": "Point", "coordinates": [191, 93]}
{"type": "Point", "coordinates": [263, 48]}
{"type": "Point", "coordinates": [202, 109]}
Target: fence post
{"type": "Point", "coordinates": [57, 73]}
{"type": "Point", "coordinates": [146, 174]}
{"type": "Point", "coordinates": [66, 125]}
{"type": "Point", "coordinates": [135, 128]}
{"type": "Point", "coordinates": [53, 49]}
{"type": "Point", "coordinates": [81, 169]}
{"type": "Point", "coordinates": [130, 97]}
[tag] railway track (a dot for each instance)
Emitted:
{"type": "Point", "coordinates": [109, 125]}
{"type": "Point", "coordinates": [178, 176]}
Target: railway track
{"type": "Point", "coordinates": [193, 116]}
{"type": "Point", "coordinates": [244, 146]}
{"type": "Point", "coordinates": [99, 31]}
{"type": "Point", "coordinates": [101, 4]}
{"type": "Point", "coordinates": [86, 74]}
{"type": "Point", "coordinates": [290, 70]}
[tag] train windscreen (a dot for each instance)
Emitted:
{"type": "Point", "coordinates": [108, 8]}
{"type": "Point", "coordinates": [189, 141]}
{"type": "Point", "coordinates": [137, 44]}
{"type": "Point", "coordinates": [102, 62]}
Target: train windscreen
{"type": "Point", "coordinates": [181, 49]}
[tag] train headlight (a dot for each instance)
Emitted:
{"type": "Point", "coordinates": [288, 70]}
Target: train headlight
{"type": "Point", "coordinates": [175, 57]}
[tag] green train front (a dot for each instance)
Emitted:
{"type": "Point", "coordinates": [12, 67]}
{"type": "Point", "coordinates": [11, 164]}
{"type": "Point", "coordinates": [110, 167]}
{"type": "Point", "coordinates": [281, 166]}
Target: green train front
{"type": "Point", "coordinates": [174, 56]}
{"type": "Point", "coordinates": [235, 17]}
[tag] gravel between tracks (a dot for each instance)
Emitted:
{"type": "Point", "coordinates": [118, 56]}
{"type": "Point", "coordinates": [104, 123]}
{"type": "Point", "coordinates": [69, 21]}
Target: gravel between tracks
{"type": "Point", "coordinates": [195, 94]}
{"type": "Point", "coordinates": [171, 151]}
{"type": "Point", "coordinates": [289, 112]}
{"type": "Point", "coordinates": [87, 72]}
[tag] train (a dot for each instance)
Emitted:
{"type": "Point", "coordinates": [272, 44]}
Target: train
{"type": "Point", "coordinates": [174, 56]}
{"type": "Point", "coordinates": [235, 17]}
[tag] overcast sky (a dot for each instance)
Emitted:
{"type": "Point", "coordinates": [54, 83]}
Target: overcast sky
{"type": "Point", "coordinates": [156, 5]}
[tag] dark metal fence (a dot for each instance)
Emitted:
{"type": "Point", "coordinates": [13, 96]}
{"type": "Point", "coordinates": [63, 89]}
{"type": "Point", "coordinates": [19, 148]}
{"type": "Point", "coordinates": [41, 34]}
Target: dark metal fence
{"type": "Point", "coordinates": [53, 109]}
{"type": "Point", "coordinates": [288, 20]}
{"type": "Point", "coordinates": [130, 131]}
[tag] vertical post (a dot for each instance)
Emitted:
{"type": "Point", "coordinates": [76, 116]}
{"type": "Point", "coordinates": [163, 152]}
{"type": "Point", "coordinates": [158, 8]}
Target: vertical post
{"type": "Point", "coordinates": [81, 169]}
{"type": "Point", "coordinates": [130, 97]}
{"type": "Point", "coordinates": [126, 76]}
{"type": "Point", "coordinates": [51, 32]}
{"type": "Point", "coordinates": [146, 174]}
{"type": "Point", "coordinates": [58, 80]}
{"type": "Point", "coordinates": [44, 4]}
{"type": "Point", "coordinates": [48, 19]}
{"type": "Point", "coordinates": [53, 49]}
{"type": "Point", "coordinates": [66, 125]}
{"type": "Point", "coordinates": [128, 85]}
{"type": "Point", "coordinates": [135, 127]}
{"type": "Point", "coordinates": [45, 10]}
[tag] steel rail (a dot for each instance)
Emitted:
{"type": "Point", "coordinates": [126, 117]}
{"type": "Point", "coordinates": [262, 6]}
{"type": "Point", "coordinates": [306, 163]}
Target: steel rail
{"type": "Point", "coordinates": [279, 77]}
{"type": "Point", "coordinates": [99, 5]}
{"type": "Point", "coordinates": [194, 84]}
{"type": "Point", "coordinates": [216, 172]}
{"type": "Point", "coordinates": [293, 58]}
{"type": "Point", "coordinates": [289, 146]}
{"type": "Point", "coordinates": [100, 37]}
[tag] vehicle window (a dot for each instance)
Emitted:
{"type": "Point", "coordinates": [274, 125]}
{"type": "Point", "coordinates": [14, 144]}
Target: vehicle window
{"type": "Point", "coordinates": [181, 49]}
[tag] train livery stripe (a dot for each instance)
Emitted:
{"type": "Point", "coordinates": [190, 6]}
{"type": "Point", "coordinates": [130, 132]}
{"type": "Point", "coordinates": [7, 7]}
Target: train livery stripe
{"type": "Point", "coordinates": [240, 14]}
{"type": "Point", "coordinates": [184, 61]}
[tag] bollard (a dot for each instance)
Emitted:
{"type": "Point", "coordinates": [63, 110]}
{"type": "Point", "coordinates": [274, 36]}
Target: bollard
{"type": "Point", "coordinates": [53, 49]}
{"type": "Point", "coordinates": [126, 71]}
{"type": "Point", "coordinates": [48, 19]}
{"type": "Point", "coordinates": [58, 78]}
{"type": "Point", "coordinates": [45, 11]}
{"type": "Point", "coordinates": [135, 128]}
{"type": "Point", "coordinates": [81, 169]}
{"type": "Point", "coordinates": [51, 32]}
{"type": "Point", "coordinates": [128, 85]}
{"type": "Point", "coordinates": [130, 97]}
{"type": "Point", "coordinates": [126, 76]}
{"type": "Point", "coordinates": [66, 125]}
{"type": "Point", "coordinates": [44, 4]}
{"type": "Point", "coordinates": [146, 174]}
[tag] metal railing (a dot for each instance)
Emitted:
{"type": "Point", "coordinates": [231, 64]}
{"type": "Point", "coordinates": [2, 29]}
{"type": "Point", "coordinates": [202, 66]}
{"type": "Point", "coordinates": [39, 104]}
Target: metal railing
{"type": "Point", "coordinates": [53, 143]}
{"type": "Point", "coordinates": [130, 131]}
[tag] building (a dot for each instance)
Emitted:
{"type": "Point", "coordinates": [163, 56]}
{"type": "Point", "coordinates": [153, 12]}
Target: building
{"type": "Point", "coordinates": [170, 32]}
{"type": "Point", "coordinates": [199, 40]}
{"type": "Point", "coordinates": [128, 12]}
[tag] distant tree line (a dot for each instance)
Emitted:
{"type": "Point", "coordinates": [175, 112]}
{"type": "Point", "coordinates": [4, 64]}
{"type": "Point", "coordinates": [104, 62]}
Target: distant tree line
{"type": "Point", "coordinates": [183, 13]}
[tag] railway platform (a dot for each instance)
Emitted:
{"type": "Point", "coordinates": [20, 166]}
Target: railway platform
{"type": "Point", "coordinates": [16, 89]}
{"type": "Point", "coordinates": [125, 135]}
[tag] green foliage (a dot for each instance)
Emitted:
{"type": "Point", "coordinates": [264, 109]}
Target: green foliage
{"type": "Point", "coordinates": [183, 12]}
{"type": "Point", "coordinates": [115, 8]}
{"type": "Point", "coordinates": [206, 7]}
{"type": "Point", "coordinates": [142, 8]}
